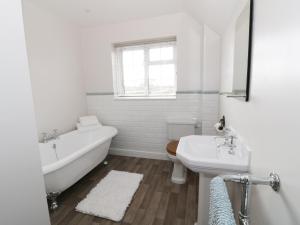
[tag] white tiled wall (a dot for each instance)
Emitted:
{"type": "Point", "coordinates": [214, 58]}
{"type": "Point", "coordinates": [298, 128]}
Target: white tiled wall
{"type": "Point", "coordinates": [142, 123]}
{"type": "Point", "coordinates": [210, 113]}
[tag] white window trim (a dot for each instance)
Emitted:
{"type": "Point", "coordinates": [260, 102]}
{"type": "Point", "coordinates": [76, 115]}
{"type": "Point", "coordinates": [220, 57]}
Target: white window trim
{"type": "Point", "coordinates": [146, 45]}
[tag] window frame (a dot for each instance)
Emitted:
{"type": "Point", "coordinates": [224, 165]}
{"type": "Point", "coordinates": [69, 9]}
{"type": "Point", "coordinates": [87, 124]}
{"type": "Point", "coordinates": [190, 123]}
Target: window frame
{"type": "Point", "coordinates": [118, 75]}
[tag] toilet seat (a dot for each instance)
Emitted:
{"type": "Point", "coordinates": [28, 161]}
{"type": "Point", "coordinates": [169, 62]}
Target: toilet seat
{"type": "Point", "coordinates": [172, 147]}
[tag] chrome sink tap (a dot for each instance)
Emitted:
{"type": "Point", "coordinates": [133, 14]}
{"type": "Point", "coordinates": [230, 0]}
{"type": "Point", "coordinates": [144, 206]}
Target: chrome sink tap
{"type": "Point", "coordinates": [228, 142]}
{"type": "Point", "coordinates": [231, 144]}
{"type": "Point", "coordinates": [50, 136]}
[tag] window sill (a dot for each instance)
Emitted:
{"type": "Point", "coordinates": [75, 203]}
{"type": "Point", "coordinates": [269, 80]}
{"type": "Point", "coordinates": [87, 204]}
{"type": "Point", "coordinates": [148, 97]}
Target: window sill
{"type": "Point", "coordinates": [145, 98]}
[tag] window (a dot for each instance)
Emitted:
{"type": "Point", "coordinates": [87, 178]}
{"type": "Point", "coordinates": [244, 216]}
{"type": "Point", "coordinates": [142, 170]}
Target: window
{"type": "Point", "coordinates": [145, 69]}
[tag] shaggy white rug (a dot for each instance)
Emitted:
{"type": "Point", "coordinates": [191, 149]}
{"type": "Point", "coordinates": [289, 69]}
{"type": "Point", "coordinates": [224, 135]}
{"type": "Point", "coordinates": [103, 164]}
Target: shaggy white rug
{"type": "Point", "coordinates": [112, 195]}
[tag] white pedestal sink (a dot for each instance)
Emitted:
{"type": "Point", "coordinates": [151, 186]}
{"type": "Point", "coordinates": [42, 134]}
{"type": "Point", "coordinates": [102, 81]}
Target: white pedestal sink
{"type": "Point", "coordinates": [201, 154]}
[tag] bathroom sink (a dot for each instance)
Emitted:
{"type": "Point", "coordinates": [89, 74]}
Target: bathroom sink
{"type": "Point", "coordinates": [208, 156]}
{"type": "Point", "coordinates": [202, 154]}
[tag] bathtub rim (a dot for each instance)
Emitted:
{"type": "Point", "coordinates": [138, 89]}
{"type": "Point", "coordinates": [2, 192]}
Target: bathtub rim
{"type": "Point", "coordinates": [80, 152]}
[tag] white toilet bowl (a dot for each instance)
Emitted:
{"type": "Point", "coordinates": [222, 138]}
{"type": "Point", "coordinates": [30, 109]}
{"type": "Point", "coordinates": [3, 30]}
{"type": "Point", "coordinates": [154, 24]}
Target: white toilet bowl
{"type": "Point", "coordinates": [179, 171]}
{"type": "Point", "coordinates": [177, 128]}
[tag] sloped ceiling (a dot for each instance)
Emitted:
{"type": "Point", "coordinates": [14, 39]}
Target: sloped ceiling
{"type": "Point", "coordinates": [214, 13]}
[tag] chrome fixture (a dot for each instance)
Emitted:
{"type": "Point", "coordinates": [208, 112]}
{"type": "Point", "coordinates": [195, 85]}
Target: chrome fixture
{"type": "Point", "coordinates": [48, 137]}
{"type": "Point", "coordinates": [247, 181]}
{"type": "Point", "coordinates": [230, 144]}
{"type": "Point", "coordinates": [241, 95]}
{"type": "Point", "coordinates": [52, 199]}
{"type": "Point", "coordinates": [228, 141]}
{"type": "Point", "coordinates": [221, 125]}
{"type": "Point", "coordinates": [234, 95]}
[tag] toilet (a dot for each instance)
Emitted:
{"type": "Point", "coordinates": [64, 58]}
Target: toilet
{"type": "Point", "coordinates": [177, 128]}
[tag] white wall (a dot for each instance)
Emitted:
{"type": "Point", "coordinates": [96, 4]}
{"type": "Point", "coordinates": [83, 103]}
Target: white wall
{"type": "Point", "coordinates": [55, 61]}
{"type": "Point", "coordinates": [142, 123]}
{"type": "Point", "coordinates": [269, 123]}
{"type": "Point", "coordinates": [55, 68]}
{"type": "Point", "coordinates": [97, 48]}
{"type": "Point", "coordinates": [22, 193]}
{"type": "Point", "coordinates": [211, 60]}
{"type": "Point", "coordinates": [210, 79]}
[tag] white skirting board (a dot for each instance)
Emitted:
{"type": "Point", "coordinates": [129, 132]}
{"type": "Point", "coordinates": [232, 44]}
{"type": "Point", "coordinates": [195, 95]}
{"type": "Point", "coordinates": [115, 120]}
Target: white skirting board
{"type": "Point", "coordinates": [139, 154]}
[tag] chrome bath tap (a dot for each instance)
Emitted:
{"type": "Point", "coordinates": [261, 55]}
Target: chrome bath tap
{"type": "Point", "coordinates": [50, 136]}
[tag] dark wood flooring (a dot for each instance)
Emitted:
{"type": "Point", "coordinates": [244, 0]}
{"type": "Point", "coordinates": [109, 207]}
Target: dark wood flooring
{"type": "Point", "coordinates": [157, 201]}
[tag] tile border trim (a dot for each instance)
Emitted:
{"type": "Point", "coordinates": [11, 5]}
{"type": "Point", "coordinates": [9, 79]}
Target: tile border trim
{"type": "Point", "coordinates": [178, 92]}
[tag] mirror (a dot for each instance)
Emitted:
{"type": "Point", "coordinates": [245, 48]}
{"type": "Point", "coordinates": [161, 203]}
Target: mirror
{"type": "Point", "coordinates": [242, 51]}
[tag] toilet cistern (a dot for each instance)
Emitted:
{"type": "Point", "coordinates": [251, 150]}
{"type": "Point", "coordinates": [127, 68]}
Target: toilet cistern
{"type": "Point", "coordinates": [177, 128]}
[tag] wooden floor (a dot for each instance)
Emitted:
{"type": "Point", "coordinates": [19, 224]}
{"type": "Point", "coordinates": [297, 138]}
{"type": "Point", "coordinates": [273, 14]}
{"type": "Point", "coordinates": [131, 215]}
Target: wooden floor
{"type": "Point", "coordinates": [157, 201]}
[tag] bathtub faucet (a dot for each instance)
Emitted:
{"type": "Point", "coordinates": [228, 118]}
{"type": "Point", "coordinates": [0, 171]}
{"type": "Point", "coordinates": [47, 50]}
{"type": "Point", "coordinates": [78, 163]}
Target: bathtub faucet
{"type": "Point", "coordinates": [50, 136]}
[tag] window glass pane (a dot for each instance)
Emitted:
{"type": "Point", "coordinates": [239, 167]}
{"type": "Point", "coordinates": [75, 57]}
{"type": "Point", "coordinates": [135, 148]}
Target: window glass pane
{"type": "Point", "coordinates": [161, 53]}
{"type": "Point", "coordinates": [162, 79]}
{"type": "Point", "coordinates": [154, 54]}
{"type": "Point", "coordinates": [146, 70]}
{"type": "Point", "coordinates": [167, 53]}
{"type": "Point", "coordinates": [133, 72]}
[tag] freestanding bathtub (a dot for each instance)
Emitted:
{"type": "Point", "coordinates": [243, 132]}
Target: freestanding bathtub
{"type": "Point", "coordinates": [68, 158]}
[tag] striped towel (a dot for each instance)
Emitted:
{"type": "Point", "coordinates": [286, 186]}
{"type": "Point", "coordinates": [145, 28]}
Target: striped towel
{"type": "Point", "coordinates": [220, 208]}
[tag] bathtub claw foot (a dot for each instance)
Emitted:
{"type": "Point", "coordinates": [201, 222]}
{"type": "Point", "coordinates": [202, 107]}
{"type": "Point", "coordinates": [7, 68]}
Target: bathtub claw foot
{"type": "Point", "coordinates": [105, 163]}
{"type": "Point", "coordinates": [52, 198]}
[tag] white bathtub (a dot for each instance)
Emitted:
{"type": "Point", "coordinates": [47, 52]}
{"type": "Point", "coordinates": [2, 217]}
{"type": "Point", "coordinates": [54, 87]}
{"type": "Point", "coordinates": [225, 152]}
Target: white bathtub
{"type": "Point", "coordinates": [67, 159]}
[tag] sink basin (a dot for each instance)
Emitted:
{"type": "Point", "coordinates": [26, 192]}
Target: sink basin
{"type": "Point", "coordinates": [202, 154]}
{"type": "Point", "coordinates": [209, 157]}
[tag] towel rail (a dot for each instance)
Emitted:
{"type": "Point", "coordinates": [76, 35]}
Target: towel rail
{"type": "Point", "coordinates": [246, 180]}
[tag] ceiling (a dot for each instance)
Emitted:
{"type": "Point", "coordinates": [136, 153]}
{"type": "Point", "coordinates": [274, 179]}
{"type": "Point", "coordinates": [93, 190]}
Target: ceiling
{"type": "Point", "coordinates": [214, 13]}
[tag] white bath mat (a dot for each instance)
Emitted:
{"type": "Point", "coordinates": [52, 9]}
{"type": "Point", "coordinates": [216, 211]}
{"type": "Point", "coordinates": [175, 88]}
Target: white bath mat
{"type": "Point", "coordinates": [112, 195]}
